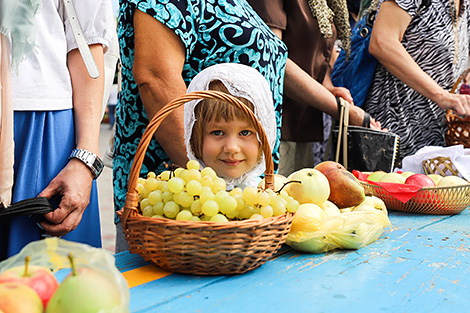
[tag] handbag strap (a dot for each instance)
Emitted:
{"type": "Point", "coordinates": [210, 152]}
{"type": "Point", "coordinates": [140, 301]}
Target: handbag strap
{"type": "Point", "coordinates": [83, 47]}
{"type": "Point", "coordinates": [343, 123]}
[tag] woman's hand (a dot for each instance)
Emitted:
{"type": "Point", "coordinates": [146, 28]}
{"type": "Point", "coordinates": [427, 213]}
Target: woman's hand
{"type": "Point", "coordinates": [73, 184]}
{"type": "Point", "coordinates": [460, 104]}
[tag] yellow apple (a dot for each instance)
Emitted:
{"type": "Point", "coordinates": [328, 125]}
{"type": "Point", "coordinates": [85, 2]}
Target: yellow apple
{"type": "Point", "coordinates": [452, 181]}
{"type": "Point", "coordinates": [330, 208]}
{"type": "Point", "coordinates": [308, 218]}
{"type": "Point", "coordinates": [393, 178]}
{"type": "Point", "coordinates": [435, 177]}
{"type": "Point", "coordinates": [375, 176]}
{"type": "Point", "coordinates": [16, 297]}
{"type": "Point", "coordinates": [407, 174]}
{"type": "Point", "coordinates": [308, 185]}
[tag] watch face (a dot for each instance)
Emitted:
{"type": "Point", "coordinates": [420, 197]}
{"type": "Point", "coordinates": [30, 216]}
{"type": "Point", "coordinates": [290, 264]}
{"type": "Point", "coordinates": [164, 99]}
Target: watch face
{"type": "Point", "coordinates": [98, 166]}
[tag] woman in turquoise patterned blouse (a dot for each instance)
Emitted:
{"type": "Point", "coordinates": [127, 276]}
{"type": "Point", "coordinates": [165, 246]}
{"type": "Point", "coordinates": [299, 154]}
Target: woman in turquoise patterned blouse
{"type": "Point", "coordinates": [164, 44]}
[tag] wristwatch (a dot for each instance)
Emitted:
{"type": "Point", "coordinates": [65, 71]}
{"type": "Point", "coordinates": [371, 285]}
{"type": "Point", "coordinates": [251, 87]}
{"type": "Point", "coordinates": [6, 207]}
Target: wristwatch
{"type": "Point", "coordinates": [90, 159]}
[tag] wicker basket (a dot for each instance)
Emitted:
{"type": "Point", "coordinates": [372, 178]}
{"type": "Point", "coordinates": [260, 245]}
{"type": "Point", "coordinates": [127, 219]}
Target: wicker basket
{"type": "Point", "coordinates": [430, 200]}
{"type": "Point", "coordinates": [458, 127]}
{"type": "Point", "coordinates": [202, 248]}
{"type": "Point", "coordinates": [441, 165]}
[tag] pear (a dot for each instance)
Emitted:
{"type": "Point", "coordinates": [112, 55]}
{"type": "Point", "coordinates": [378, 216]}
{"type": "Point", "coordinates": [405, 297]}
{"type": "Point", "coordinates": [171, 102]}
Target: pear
{"type": "Point", "coordinates": [84, 290]}
{"type": "Point", "coordinates": [345, 189]}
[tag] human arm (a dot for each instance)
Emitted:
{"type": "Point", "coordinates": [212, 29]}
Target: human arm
{"type": "Point", "coordinates": [158, 74]}
{"type": "Point", "coordinates": [74, 181]}
{"type": "Point", "coordinates": [303, 88]}
{"type": "Point", "coordinates": [385, 44]}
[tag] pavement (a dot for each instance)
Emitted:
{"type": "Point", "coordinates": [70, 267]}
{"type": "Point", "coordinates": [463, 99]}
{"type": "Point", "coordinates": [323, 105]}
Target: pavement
{"type": "Point", "coordinates": [105, 194]}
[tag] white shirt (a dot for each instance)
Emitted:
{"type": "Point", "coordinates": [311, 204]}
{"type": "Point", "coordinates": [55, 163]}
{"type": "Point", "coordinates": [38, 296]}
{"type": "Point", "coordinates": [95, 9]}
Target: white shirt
{"type": "Point", "coordinates": [43, 82]}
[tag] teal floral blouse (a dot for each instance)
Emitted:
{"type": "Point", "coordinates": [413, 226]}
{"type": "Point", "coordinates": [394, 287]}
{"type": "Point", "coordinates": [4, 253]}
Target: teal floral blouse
{"type": "Point", "coordinates": [212, 31]}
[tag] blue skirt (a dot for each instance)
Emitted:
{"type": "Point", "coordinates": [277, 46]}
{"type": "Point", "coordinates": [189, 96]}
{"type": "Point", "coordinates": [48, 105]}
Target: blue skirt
{"type": "Point", "coordinates": [43, 142]}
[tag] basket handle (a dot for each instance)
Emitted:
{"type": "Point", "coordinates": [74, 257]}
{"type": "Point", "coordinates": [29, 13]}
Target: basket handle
{"type": "Point", "coordinates": [132, 194]}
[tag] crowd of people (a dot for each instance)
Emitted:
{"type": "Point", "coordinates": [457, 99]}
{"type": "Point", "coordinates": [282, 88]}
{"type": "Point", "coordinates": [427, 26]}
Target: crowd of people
{"type": "Point", "coordinates": [275, 56]}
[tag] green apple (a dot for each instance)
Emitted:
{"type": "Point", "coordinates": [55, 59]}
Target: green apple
{"type": "Point", "coordinates": [407, 174]}
{"type": "Point", "coordinates": [308, 185]}
{"type": "Point", "coordinates": [39, 278]}
{"type": "Point", "coordinates": [16, 297]}
{"type": "Point", "coordinates": [393, 178]}
{"type": "Point", "coordinates": [435, 177]}
{"type": "Point", "coordinates": [375, 176]}
{"type": "Point", "coordinates": [84, 290]}
{"type": "Point", "coordinates": [452, 181]}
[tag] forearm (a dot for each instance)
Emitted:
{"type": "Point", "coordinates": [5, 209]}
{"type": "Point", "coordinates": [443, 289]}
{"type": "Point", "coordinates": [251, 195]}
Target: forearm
{"type": "Point", "coordinates": [87, 98]}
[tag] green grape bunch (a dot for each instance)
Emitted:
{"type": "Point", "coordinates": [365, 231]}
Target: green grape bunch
{"type": "Point", "coordinates": [191, 194]}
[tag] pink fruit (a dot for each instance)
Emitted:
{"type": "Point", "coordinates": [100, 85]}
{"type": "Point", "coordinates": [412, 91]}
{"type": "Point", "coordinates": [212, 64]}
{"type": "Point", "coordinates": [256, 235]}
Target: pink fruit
{"type": "Point", "coordinates": [421, 180]}
{"type": "Point", "coordinates": [39, 278]}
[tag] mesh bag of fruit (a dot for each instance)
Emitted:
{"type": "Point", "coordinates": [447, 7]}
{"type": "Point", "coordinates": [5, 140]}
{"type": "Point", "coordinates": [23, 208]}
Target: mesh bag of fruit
{"type": "Point", "coordinates": [61, 275]}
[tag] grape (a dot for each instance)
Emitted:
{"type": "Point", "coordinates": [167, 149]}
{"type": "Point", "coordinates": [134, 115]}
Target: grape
{"type": "Point", "coordinates": [178, 171]}
{"type": "Point", "coordinates": [144, 203]}
{"type": "Point", "coordinates": [165, 175]}
{"type": "Point", "coordinates": [139, 188]}
{"type": "Point", "coordinates": [208, 171]}
{"type": "Point", "coordinates": [155, 196]}
{"type": "Point", "coordinates": [195, 219]}
{"type": "Point", "coordinates": [207, 181]}
{"type": "Point", "coordinates": [292, 205]}
{"type": "Point", "coordinates": [141, 180]}
{"type": "Point", "coordinates": [164, 187]}
{"type": "Point", "coordinates": [246, 212]}
{"type": "Point", "coordinates": [196, 207]}
{"type": "Point", "coordinates": [184, 175]}
{"type": "Point", "coordinates": [185, 199]}
{"type": "Point", "coordinates": [167, 196]}
{"type": "Point", "coordinates": [227, 204]}
{"type": "Point", "coordinates": [151, 184]}
{"type": "Point", "coordinates": [210, 208]}
{"type": "Point", "coordinates": [236, 191]}
{"type": "Point", "coordinates": [256, 216]}
{"type": "Point", "coordinates": [250, 194]}
{"type": "Point", "coordinates": [240, 202]}
{"type": "Point", "coordinates": [158, 216]}
{"type": "Point", "coordinates": [158, 208]}
{"type": "Point", "coordinates": [148, 211]}
{"type": "Point", "coordinates": [263, 198]}
{"type": "Point", "coordinates": [266, 211]}
{"type": "Point", "coordinates": [193, 174]}
{"type": "Point", "coordinates": [176, 184]}
{"type": "Point", "coordinates": [145, 193]}
{"type": "Point", "coordinates": [206, 195]}
{"type": "Point", "coordinates": [278, 205]}
{"type": "Point", "coordinates": [218, 218]}
{"type": "Point", "coordinates": [171, 209]}
{"type": "Point", "coordinates": [184, 215]}
{"type": "Point", "coordinates": [193, 164]}
{"type": "Point", "coordinates": [194, 188]}
{"type": "Point", "coordinates": [218, 185]}
{"type": "Point", "coordinates": [220, 194]}
{"type": "Point", "coordinates": [151, 174]}
{"type": "Point", "coordinates": [232, 214]}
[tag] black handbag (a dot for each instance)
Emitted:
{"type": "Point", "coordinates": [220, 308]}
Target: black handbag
{"type": "Point", "coordinates": [361, 148]}
{"type": "Point", "coordinates": [32, 206]}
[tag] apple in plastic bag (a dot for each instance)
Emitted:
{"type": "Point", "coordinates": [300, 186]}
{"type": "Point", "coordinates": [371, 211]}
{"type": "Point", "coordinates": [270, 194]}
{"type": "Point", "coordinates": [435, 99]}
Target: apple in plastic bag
{"type": "Point", "coordinates": [421, 180]}
{"type": "Point", "coordinates": [84, 290]}
{"type": "Point", "coordinates": [308, 185]}
{"type": "Point", "coordinates": [39, 278]}
{"type": "Point", "coordinates": [16, 297]}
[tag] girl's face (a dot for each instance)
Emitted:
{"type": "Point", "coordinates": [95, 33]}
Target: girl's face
{"type": "Point", "coordinates": [230, 148]}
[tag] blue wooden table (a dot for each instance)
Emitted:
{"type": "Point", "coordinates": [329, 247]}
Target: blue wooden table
{"type": "Point", "coordinates": [421, 265]}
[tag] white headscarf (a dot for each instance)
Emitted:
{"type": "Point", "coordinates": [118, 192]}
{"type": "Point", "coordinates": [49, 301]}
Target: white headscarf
{"type": "Point", "coordinates": [240, 81]}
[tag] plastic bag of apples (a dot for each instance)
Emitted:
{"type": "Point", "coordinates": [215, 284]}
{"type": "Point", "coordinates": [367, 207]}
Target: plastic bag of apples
{"type": "Point", "coordinates": [55, 275]}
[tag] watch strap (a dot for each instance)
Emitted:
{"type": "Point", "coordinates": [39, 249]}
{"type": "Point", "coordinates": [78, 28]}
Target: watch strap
{"type": "Point", "coordinates": [90, 159]}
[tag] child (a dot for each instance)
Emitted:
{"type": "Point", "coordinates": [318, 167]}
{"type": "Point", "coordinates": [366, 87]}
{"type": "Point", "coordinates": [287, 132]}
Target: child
{"type": "Point", "coordinates": [219, 135]}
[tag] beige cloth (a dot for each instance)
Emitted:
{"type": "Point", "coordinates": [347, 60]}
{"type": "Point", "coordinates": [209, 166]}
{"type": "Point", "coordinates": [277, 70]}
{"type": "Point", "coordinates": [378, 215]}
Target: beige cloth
{"type": "Point", "coordinates": [6, 126]}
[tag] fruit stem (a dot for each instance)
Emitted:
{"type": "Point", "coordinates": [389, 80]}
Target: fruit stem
{"type": "Point", "coordinates": [27, 259]}
{"type": "Point", "coordinates": [72, 263]}
{"type": "Point", "coordinates": [285, 184]}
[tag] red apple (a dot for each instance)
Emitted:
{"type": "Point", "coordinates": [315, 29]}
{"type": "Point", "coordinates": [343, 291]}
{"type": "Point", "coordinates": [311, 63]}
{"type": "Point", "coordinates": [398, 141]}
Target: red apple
{"type": "Point", "coordinates": [16, 297]}
{"type": "Point", "coordinates": [39, 278]}
{"type": "Point", "coordinates": [421, 180]}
